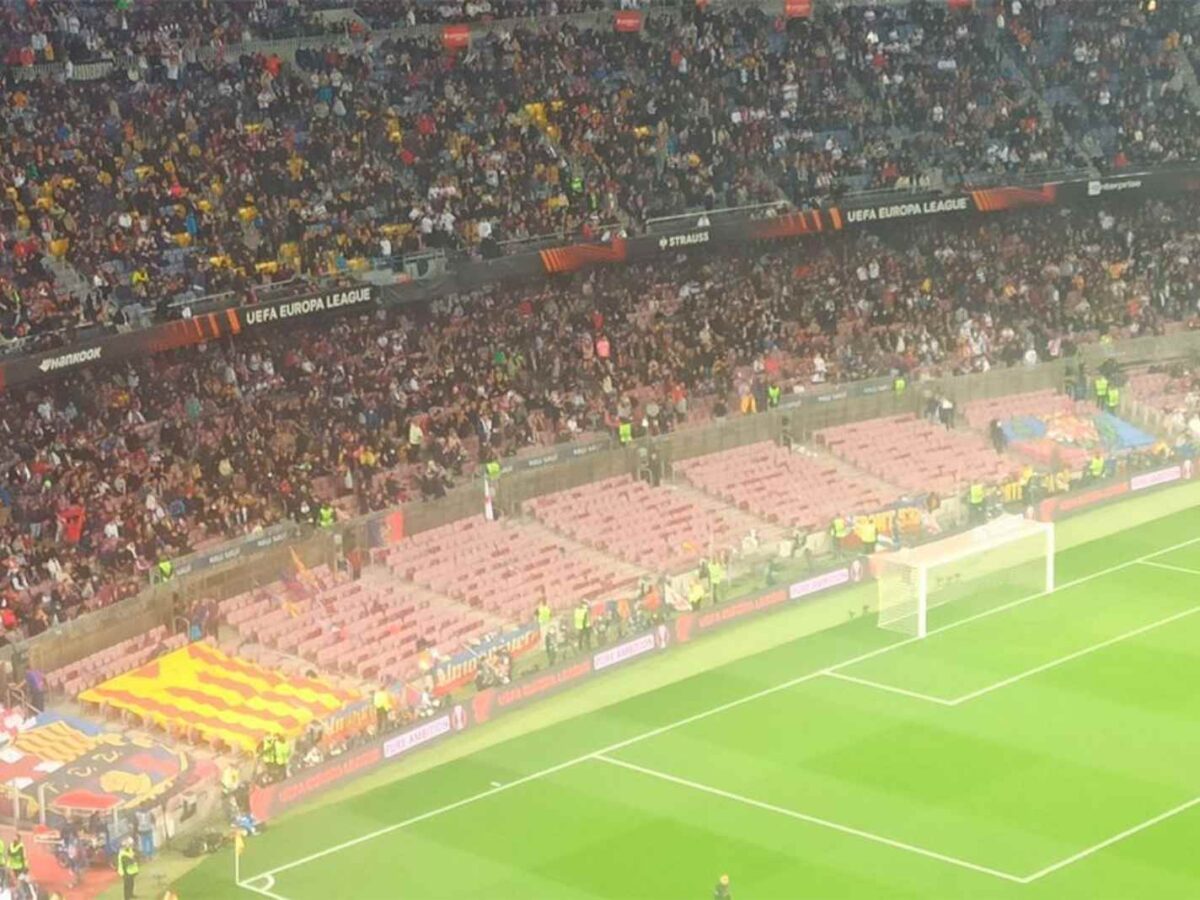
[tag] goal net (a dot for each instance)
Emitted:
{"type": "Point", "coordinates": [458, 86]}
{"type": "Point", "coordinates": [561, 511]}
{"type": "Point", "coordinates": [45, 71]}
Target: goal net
{"type": "Point", "coordinates": [1005, 560]}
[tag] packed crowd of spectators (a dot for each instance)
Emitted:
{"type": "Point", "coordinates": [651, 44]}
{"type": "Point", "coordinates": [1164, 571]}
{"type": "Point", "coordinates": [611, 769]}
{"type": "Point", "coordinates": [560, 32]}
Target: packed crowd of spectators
{"type": "Point", "coordinates": [35, 32]}
{"type": "Point", "coordinates": [188, 172]}
{"type": "Point", "coordinates": [115, 467]}
{"type": "Point", "coordinates": [1113, 74]}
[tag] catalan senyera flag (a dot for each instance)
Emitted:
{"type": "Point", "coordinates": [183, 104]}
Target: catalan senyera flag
{"type": "Point", "coordinates": [220, 697]}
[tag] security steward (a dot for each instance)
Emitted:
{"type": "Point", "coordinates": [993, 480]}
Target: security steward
{"type": "Point", "coordinates": [839, 530]}
{"type": "Point", "coordinates": [382, 701]}
{"type": "Point", "coordinates": [583, 626]}
{"type": "Point", "coordinates": [544, 616]}
{"type": "Point", "coordinates": [127, 866]}
{"type": "Point", "coordinates": [1100, 386]}
{"type": "Point", "coordinates": [1113, 398]}
{"type": "Point", "coordinates": [1095, 467]}
{"type": "Point", "coordinates": [868, 534]}
{"type": "Point", "coordinates": [18, 864]}
{"type": "Point", "coordinates": [976, 497]}
{"type": "Point", "coordinates": [716, 577]}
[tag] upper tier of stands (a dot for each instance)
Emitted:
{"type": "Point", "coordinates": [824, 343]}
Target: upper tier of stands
{"type": "Point", "coordinates": [180, 174]}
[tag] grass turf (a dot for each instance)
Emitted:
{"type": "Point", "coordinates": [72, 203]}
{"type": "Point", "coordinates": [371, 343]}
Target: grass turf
{"type": "Point", "coordinates": [829, 788]}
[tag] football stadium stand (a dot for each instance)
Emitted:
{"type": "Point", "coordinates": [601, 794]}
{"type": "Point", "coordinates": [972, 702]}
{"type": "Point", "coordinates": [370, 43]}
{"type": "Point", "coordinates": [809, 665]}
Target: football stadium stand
{"type": "Point", "coordinates": [917, 455]}
{"type": "Point", "coordinates": [785, 486]}
{"type": "Point", "coordinates": [658, 529]}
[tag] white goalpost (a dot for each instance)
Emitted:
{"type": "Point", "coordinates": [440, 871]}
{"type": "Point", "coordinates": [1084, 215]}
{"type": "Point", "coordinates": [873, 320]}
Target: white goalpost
{"type": "Point", "coordinates": [1008, 558]}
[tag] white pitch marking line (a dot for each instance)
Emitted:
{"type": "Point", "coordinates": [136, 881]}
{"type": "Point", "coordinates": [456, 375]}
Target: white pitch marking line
{"type": "Point", "coordinates": [1073, 656]}
{"type": "Point", "coordinates": [1020, 676]}
{"type": "Point", "coordinates": [1184, 569]}
{"type": "Point", "coordinates": [266, 890]}
{"type": "Point", "coordinates": [813, 820]}
{"type": "Point", "coordinates": [716, 710]}
{"type": "Point", "coordinates": [880, 686]}
{"type": "Point", "coordinates": [1108, 842]}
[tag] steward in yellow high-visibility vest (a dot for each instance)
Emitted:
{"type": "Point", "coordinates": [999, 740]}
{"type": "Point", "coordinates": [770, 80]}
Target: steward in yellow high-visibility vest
{"type": "Point", "coordinates": [976, 497]}
{"type": "Point", "coordinates": [1113, 398]}
{"type": "Point", "coordinates": [716, 577]}
{"type": "Point", "coordinates": [867, 533]}
{"type": "Point", "coordinates": [382, 701]}
{"type": "Point", "coordinates": [325, 516]}
{"type": "Point", "coordinates": [695, 594]}
{"type": "Point", "coordinates": [492, 469]}
{"type": "Point", "coordinates": [1100, 385]}
{"type": "Point", "coordinates": [1096, 466]}
{"type": "Point", "coordinates": [773, 396]}
{"type": "Point", "coordinates": [899, 385]}
{"type": "Point", "coordinates": [127, 868]}
{"type": "Point", "coordinates": [583, 625]}
{"type": "Point", "coordinates": [18, 864]}
{"type": "Point", "coordinates": [625, 433]}
{"type": "Point", "coordinates": [838, 531]}
{"type": "Point", "coordinates": [166, 569]}
{"type": "Point", "coordinates": [544, 615]}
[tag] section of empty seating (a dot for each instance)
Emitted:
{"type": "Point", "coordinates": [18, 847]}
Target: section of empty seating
{"type": "Point", "coordinates": [112, 661]}
{"type": "Point", "coordinates": [1163, 391]}
{"type": "Point", "coordinates": [375, 628]}
{"type": "Point", "coordinates": [1045, 403]}
{"type": "Point", "coordinates": [502, 568]}
{"type": "Point", "coordinates": [656, 528]}
{"type": "Point", "coordinates": [781, 485]}
{"type": "Point", "coordinates": [917, 455]}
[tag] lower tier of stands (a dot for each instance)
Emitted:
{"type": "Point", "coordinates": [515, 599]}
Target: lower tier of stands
{"type": "Point", "coordinates": [917, 455]}
{"type": "Point", "coordinates": [790, 488]}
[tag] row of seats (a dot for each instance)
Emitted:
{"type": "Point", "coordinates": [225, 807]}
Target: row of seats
{"type": "Point", "coordinates": [502, 568]}
{"type": "Point", "coordinates": [112, 661]}
{"type": "Point", "coordinates": [373, 628]}
{"type": "Point", "coordinates": [1042, 404]}
{"type": "Point", "coordinates": [1160, 390]}
{"type": "Point", "coordinates": [917, 455]}
{"type": "Point", "coordinates": [653, 527]}
{"type": "Point", "coordinates": [782, 486]}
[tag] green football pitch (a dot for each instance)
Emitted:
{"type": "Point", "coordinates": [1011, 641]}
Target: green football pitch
{"type": "Point", "coordinates": [1034, 746]}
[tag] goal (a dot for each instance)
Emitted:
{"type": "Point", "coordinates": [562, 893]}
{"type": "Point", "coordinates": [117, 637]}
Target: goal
{"type": "Point", "coordinates": [1007, 559]}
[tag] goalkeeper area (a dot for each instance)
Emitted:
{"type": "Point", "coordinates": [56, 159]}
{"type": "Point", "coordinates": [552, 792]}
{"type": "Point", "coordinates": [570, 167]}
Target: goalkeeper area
{"type": "Point", "coordinates": [1032, 744]}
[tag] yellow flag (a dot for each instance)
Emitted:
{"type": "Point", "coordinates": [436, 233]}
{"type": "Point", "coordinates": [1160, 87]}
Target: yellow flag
{"type": "Point", "coordinates": [239, 842]}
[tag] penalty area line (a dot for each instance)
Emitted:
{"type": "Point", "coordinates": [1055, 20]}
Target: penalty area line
{"type": "Point", "coordinates": [812, 820]}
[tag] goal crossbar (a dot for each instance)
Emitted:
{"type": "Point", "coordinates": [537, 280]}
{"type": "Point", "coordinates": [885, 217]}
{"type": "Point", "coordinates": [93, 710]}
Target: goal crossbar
{"type": "Point", "coordinates": [904, 576]}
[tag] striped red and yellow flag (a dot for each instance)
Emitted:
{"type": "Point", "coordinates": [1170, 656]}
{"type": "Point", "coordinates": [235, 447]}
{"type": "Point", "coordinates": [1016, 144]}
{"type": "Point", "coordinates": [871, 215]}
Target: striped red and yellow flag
{"type": "Point", "coordinates": [200, 689]}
